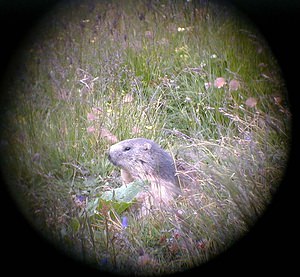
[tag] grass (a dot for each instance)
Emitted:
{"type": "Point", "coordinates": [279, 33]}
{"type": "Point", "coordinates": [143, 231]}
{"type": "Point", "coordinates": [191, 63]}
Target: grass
{"type": "Point", "coordinates": [104, 72]}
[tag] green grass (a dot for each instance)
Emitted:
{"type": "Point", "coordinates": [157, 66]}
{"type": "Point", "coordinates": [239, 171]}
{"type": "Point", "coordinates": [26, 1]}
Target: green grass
{"type": "Point", "coordinates": [104, 72]}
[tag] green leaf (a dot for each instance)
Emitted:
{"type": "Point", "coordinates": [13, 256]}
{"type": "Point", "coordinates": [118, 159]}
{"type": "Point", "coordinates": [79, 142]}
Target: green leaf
{"type": "Point", "coordinates": [92, 206]}
{"type": "Point", "coordinates": [125, 193]}
{"type": "Point", "coordinates": [118, 207]}
{"type": "Point", "coordinates": [121, 198]}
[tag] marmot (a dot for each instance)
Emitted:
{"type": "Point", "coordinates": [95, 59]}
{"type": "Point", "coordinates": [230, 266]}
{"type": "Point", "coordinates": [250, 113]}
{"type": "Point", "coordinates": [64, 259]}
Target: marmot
{"type": "Point", "coordinates": [143, 159]}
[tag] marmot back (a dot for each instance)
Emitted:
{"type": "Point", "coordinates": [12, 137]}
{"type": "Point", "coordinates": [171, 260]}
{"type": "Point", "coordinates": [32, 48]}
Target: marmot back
{"type": "Point", "coordinates": [143, 159]}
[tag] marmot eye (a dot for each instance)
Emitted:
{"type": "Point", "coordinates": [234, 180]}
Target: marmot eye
{"type": "Point", "coordinates": [127, 148]}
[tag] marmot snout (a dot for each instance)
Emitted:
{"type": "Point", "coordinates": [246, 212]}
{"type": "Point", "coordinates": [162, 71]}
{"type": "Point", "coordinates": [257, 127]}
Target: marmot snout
{"type": "Point", "coordinates": [143, 159]}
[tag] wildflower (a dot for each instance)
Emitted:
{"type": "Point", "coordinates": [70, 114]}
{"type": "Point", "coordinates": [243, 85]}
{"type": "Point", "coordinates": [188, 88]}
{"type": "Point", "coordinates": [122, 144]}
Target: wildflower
{"type": "Point", "coordinates": [80, 200]}
{"type": "Point", "coordinates": [234, 85]}
{"type": "Point", "coordinates": [207, 85]}
{"type": "Point", "coordinates": [149, 127]}
{"type": "Point", "coordinates": [180, 29]}
{"type": "Point", "coordinates": [135, 130]}
{"type": "Point", "coordinates": [128, 98]}
{"type": "Point", "coordinates": [187, 99]}
{"type": "Point", "coordinates": [213, 56]}
{"type": "Point", "coordinates": [104, 262]}
{"type": "Point", "coordinates": [247, 136]}
{"type": "Point", "coordinates": [124, 222]}
{"type": "Point", "coordinates": [106, 134]}
{"type": "Point", "coordinates": [91, 129]}
{"type": "Point", "coordinates": [251, 102]}
{"type": "Point", "coordinates": [219, 82]}
{"type": "Point", "coordinates": [91, 116]}
{"type": "Point", "coordinates": [202, 64]}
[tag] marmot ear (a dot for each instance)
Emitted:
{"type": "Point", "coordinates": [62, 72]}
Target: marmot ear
{"type": "Point", "coordinates": [147, 146]}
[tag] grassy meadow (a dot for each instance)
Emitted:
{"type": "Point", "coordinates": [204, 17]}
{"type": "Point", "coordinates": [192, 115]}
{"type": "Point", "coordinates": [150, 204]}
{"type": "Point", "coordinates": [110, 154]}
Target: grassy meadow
{"type": "Point", "coordinates": [194, 77]}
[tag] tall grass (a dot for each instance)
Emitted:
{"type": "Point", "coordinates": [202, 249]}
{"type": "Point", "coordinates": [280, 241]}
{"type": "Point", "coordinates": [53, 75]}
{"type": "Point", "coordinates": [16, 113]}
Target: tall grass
{"type": "Point", "coordinates": [95, 73]}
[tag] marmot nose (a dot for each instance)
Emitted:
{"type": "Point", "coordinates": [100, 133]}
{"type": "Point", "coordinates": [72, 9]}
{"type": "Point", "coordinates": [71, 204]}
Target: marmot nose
{"type": "Point", "coordinates": [110, 158]}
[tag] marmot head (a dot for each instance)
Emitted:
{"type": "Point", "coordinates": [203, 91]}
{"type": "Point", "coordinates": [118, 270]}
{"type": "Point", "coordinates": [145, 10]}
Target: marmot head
{"type": "Point", "coordinates": [143, 159]}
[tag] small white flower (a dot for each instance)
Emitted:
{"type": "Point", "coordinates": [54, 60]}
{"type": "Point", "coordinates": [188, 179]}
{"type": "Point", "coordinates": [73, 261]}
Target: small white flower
{"type": "Point", "coordinates": [180, 29]}
{"type": "Point", "coordinates": [202, 64]}
{"type": "Point", "coordinates": [207, 85]}
{"type": "Point", "coordinates": [213, 56]}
